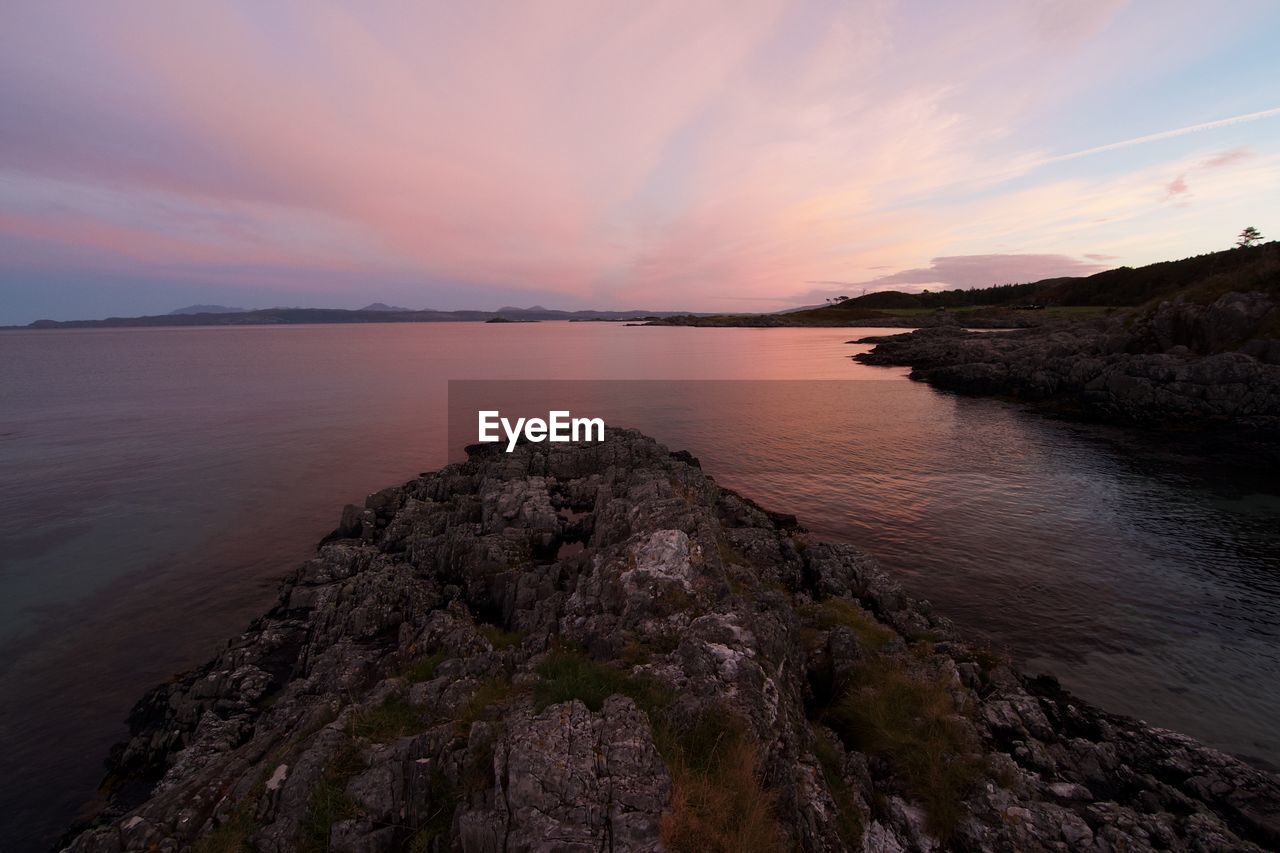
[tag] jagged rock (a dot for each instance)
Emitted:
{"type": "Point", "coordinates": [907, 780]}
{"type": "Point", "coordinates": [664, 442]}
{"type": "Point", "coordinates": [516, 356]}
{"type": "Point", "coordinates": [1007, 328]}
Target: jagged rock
{"type": "Point", "coordinates": [404, 693]}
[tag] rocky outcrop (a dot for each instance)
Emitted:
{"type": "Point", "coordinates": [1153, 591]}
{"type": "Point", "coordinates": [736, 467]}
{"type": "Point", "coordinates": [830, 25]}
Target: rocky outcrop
{"type": "Point", "coordinates": [1179, 362]}
{"type": "Point", "coordinates": [596, 647]}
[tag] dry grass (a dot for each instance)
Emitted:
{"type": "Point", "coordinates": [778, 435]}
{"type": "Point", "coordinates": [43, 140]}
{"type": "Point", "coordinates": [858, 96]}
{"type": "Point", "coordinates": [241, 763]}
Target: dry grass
{"type": "Point", "coordinates": [634, 653]}
{"type": "Point", "coordinates": [500, 639]}
{"type": "Point", "coordinates": [984, 656]}
{"type": "Point", "coordinates": [842, 612]}
{"type": "Point", "coordinates": [719, 803]}
{"type": "Point", "coordinates": [911, 721]}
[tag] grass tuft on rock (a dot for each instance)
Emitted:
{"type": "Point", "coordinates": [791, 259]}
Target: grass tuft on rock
{"type": "Point", "coordinates": [495, 691]}
{"type": "Point", "coordinates": [569, 674]}
{"type": "Point", "coordinates": [719, 803]}
{"type": "Point", "coordinates": [394, 718]}
{"type": "Point", "coordinates": [850, 822]}
{"type": "Point", "coordinates": [328, 802]}
{"type": "Point", "coordinates": [424, 668]}
{"type": "Point", "coordinates": [436, 819]}
{"type": "Point", "coordinates": [984, 656]}
{"type": "Point", "coordinates": [499, 638]}
{"type": "Point", "coordinates": [634, 653]}
{"type": "Point", "coordinates": [730, 555]}
{"type": "Point", "coordinates": [910, 720]}
{"type": "Point", "coordinates": [842, 612]}
{"type": "Point", "coordinates": [232, 835]}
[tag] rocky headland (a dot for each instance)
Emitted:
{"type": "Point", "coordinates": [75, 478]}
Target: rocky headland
{"type": "Point", "coordinates": [1176, 363]}
{"type": "Point", "coordinates": [1049, 302]}
{"type": "Point", "coordinates": [976, 318]}
{"type": "Point", "coordinates": [595, 647]}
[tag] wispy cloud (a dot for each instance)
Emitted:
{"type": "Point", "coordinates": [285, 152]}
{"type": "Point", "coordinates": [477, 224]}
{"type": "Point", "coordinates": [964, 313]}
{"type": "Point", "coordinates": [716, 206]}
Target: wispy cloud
{"type": "Point", "coordinates": [1165, 134]}
{"type": "Point", "coordinates": [659, 154]}
{"type": "Point", "coordinates": [1229, 158]}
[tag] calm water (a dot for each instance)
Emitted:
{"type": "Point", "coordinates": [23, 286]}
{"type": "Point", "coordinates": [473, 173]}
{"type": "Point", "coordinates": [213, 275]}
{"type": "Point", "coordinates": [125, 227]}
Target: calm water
{"type": "Point", "coordinates": [156, 484]}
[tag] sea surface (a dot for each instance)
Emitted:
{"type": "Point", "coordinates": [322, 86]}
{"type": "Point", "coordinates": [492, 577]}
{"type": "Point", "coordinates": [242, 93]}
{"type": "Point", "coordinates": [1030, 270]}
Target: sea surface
{"type": "Point", "coordinates": [156, 484]}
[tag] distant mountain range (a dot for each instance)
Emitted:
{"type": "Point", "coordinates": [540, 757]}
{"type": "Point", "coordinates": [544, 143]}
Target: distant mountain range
{"type": "Point", "coordinates": [208, 309]}
{"type": "Point", "coordinates": [1200, 278]}
{"type": "Point", "coordinates": [378, 312]}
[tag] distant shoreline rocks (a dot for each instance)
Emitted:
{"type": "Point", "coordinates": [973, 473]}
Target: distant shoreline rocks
{"type": "Point", "coordinates": [1177, 363]}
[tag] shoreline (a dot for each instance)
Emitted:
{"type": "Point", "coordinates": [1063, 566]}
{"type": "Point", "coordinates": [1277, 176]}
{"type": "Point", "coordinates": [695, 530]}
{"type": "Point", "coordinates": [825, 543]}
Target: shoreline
{"type": "Point", "coordinates": [434, 620]}
{"type": "Point", "coordinates": [1174, 365]}
{"type": "Point", "coordinates": [846, 319]}
{"type": "Point", "coordinates": [753, 322]}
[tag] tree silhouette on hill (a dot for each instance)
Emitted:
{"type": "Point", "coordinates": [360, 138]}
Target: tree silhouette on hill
{"type": "Point", "coordinates": [1248, 237]}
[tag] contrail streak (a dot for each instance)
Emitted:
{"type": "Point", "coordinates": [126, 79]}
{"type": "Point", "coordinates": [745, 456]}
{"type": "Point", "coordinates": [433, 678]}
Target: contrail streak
{"type": "Point", "coordinates": [1165, 134]}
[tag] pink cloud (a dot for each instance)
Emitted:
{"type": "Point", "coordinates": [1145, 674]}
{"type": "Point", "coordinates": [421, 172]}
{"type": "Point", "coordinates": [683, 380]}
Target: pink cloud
{"type": "Point", "coordinates": [665, 154]}
{"type": "Point", "coordinates": [1228, 158]}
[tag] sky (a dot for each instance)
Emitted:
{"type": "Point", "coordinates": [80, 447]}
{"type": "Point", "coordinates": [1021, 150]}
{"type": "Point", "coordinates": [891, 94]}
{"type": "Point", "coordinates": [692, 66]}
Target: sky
{"type": "Point", "coordinates": [733, 156]}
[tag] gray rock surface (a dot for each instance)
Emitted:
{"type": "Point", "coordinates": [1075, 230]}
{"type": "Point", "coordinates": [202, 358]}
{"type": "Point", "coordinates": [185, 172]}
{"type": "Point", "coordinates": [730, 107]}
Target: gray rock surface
{"type": "Point", "coordinates": [438, 677]}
